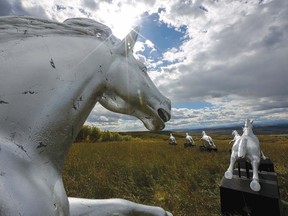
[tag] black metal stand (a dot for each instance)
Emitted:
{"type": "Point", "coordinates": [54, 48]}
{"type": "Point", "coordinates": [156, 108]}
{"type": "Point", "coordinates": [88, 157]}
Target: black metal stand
{"type": "Point", "coordinates": [187, 145]}
{"type": "Point", "coordinates": [265, 165]}
{"type": "Point", "coordinates": [208, 148]}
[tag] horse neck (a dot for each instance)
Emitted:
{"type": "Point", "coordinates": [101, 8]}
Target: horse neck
{"type": "Point", "coordinates": [236, 135]}
{"type": "Point", "coordinates": [248, 131]}
{"type": "Point", "coordinates": [44, 121]}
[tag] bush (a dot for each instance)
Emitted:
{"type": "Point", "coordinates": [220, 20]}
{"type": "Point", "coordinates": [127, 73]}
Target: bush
{"type": "Point", "coordinates": [88, 134]}
{"type": "Point", "coordinates": [91, 134]}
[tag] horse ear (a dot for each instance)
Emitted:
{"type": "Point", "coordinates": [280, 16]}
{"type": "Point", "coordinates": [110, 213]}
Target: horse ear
{"type": "Point", "coordinates": [127, 44]}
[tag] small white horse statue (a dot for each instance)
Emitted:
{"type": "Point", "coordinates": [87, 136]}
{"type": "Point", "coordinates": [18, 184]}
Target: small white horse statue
{"type": "Point", "coordinates": [236, 136]}
{"type": "Point", "coordinates": [172, 140]}
{"type": "Point", "coordinates": [189, 142]}
{"type": "Point", "coordinates": [52, 75]}
{"type": "Point", "coordinates": [208, 139]}
{"type": "Point", "coordinates": [189, 139]}
{"type": "Point", "coordinates": [247, 147]}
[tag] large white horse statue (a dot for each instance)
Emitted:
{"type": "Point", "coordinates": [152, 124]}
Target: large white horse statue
{"type": "Point", "coordinates": [51, 76]}
{"type": "Point", "coordinates": [247, 147]}
{"type": "Point", "coordinates": [208, 139]}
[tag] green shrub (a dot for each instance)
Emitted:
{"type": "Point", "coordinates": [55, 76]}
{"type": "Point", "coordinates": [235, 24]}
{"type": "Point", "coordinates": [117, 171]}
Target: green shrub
{"type": "Point", "coordinates": [92, 134]}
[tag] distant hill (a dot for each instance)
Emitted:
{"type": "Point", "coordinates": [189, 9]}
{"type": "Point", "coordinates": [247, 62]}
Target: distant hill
{"type": "Point", "coordinates": [257, 129]}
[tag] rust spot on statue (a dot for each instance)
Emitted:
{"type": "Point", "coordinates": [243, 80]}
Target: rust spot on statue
{"type": "Point", "coordinates": [3, 102]}
{"type": "Point", "coordinates": [41, 145]}
{"type": "Point", "coordinates": [76, 103]}
{"type": "Point", "coordinates": [29, 92]}
{"type": "Point", "coordinates": [75, 106]}
{"type": "Point", "coordinates": [52, 63]}
{"type": "Point", "coordinates": [22, 148]}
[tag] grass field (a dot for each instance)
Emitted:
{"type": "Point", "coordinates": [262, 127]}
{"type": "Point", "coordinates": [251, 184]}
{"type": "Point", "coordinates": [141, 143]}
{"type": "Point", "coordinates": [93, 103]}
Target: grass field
{"type": "Point", "coordinates": [149, 171]}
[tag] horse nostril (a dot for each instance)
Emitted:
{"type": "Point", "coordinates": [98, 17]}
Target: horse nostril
{"type": "Point", "coordinates": [164, 115]}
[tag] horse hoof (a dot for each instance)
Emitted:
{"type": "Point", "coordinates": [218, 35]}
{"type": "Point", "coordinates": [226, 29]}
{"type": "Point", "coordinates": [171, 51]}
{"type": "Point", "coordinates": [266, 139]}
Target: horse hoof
{"type": "Point", "coordinates": [168, 214]}
{"type": "Point", "coordinates": [255, 186]}
{"type": "Point", "coordinates": [228, 175]}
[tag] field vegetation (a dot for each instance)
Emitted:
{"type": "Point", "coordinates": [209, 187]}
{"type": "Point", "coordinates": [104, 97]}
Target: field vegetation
{"type": "Point", "coordinates": [147, 170]}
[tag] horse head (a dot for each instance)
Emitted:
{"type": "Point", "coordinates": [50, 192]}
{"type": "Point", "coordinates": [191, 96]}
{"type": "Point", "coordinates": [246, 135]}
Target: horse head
{"type": "Point", "coordinates": [248, 123]}
{"type": "Point", "coordinates": [234, 133]}
{"type": "Point", "coordinates": [129, 89]}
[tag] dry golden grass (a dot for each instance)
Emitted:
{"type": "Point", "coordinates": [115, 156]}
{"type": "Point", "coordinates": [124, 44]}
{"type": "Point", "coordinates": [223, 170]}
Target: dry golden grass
{"type": "Point", "coordinates": [183, 181]}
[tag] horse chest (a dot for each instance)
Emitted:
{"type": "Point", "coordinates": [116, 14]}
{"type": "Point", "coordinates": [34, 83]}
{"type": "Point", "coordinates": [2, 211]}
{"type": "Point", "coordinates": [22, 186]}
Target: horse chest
{"type": "Point", "coordinates": [28, 189]}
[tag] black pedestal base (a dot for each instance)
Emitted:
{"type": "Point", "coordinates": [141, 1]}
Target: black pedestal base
{"type": "Point", "coordinates": [187, 145]}
{"type": "Point", "coordinates": [208, 148]}
{"type": "Point", "coordinates": [237, 198]}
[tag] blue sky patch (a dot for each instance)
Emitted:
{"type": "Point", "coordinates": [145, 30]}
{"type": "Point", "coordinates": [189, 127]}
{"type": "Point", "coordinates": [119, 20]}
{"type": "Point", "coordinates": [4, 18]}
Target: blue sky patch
{"type": "Point", "coordinates": [189, 105]}
{"type": "Point", "coordinates": [161, 34]}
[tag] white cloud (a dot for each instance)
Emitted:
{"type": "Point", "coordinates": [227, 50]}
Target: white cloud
{"type": "Point", "coordinates": [103, 119]}
{"type": "Point", "coordinates": [150, 45]}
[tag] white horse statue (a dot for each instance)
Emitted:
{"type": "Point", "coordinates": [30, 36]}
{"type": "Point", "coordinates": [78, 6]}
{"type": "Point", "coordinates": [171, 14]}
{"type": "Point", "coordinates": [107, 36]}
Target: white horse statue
{"type": "Point", "coordinates": [189, 142]}
{"type": "Point", "coordinates": [172, 140]}
{"type": "Point", "coordinates": [236, 136]}
{"type": "Point", "coordinates": [208, 139]}
{"type": "Point", "coordinates": [189, 139]}
{"type": "Point", "coordinates": [248, 147]}
{"type": "Point", "coordinates": [52, 75]}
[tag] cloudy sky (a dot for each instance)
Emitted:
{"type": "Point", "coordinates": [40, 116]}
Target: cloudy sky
{"type": "Point", "coordinates": [218, 61]}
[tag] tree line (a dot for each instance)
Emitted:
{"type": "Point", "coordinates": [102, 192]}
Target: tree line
{"type": "Point", "coordinates": [91, 134]}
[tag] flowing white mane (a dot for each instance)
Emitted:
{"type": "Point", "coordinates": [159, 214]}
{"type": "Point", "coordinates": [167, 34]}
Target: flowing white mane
{"type": "Point", "coordinates": [30, 27]}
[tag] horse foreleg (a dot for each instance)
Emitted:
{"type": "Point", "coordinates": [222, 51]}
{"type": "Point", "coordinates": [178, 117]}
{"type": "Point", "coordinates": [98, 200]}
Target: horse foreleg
{"type": "Point", "coordinates": [254, 185]}
{"type": "Point", "coordinates": [119, 207]}
{"type": "Point", "coordinates": [210, 141]}
{"type": "Point", "coordinates": [213, 143]}
{"type": "Point", "coordinates": [229, 172]}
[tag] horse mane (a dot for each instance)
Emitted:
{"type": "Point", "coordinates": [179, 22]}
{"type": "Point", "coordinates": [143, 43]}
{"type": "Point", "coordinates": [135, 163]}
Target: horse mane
{"type": "Point", "coordinates": [30, 26]}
